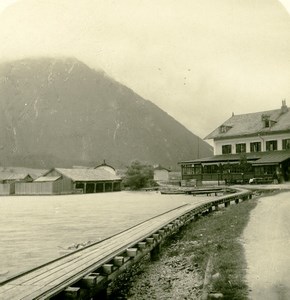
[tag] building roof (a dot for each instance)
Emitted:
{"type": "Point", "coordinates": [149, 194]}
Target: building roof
{"type": "Point", "coordinates": [252, 124]}
{"type": "Point", "coordinates": [159, 168]}
{"type": "Point", "coordinates": [47, 178]}
{"type": "Point", "coordinates": [255, 158]}
{"type": "Point", "coordinates": [87, 174]}
{"type": "Point", "coordinates": [104, 164]}
{"type": "Point", "coordinates": [13, 176]}
{"type": "Point", "coordinates": [273, 158]}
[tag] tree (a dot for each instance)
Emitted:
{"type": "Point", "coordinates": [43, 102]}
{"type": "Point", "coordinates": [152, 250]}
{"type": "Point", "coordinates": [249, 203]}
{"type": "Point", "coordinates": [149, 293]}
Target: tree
{"type": "Point", "coordinates": [139, 175]}
{"type": "Point", "coordinates": [245, 167]}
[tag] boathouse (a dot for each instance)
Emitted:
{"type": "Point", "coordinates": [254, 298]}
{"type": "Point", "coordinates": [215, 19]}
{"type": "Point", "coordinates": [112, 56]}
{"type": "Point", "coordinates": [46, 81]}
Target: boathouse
{"type": "Point", "coordinates": [251, 147]}
{"type": "Point", "coordinates": [86, 180]}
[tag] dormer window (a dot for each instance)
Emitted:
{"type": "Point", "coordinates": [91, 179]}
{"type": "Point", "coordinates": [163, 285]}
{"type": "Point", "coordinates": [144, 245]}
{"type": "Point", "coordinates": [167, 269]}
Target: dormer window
{"type": "Point", "coordinates": [266, 120]}
{"type": "Point", "coordinates": [224, 128]}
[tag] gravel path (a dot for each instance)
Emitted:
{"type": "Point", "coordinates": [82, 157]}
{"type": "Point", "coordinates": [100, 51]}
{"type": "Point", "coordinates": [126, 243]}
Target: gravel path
{"type": "Point", "coordinates": [267, 244]}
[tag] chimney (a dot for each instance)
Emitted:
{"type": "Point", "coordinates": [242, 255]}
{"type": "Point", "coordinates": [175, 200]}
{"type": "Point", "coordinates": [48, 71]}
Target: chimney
{"type": "Point", "coordinates": [284, 107]}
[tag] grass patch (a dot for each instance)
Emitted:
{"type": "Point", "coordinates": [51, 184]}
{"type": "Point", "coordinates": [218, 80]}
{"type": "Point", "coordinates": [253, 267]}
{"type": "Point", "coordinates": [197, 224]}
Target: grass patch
{"type": "Point", "coordinates": [217, 236]}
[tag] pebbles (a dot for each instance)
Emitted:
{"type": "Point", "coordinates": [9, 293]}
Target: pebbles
{"type": "Point", "coordinates": [169, 278]}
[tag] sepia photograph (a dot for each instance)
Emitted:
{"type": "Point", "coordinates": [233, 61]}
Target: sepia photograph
{"type": "Point", "coordinates": [145, 149]}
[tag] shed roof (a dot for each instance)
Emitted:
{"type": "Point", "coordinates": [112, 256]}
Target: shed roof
{"type": "Point", "coordinates": [273, 158]}
{"type": "Point", "coordinates": [88, 174]}
{"type": "Point", "coordinates": [47, 178]}
{"type": "Point", "coordinates": [252, 124]}
{"type": "Point", "coordinates": [256, 158]}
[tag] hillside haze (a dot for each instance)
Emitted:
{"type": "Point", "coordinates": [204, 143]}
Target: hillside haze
{"type": "Point", "coordinates": [60, 112]}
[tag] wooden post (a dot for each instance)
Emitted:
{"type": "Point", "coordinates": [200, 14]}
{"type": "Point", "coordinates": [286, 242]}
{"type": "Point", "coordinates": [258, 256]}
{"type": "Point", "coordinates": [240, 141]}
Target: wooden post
{"type": "Point", "coordinates": [107, 268]}
{"type": "Point", "coordinates": [142, 245]}
{"type": "Point", "coordinates": [72, 293]}
{"type": "Point", "coordinates": [156, 236]}
{"type": "Point", "coordinates": [132, 252]}
{"type": "Point", "coordinates": [237, 201]}
{"type": "Point", "coordinates": [89, 281]}
{"type": "Point", "coordinates": [150, 240]}
{"type": "Point", "coordinates": [216, 207]}
{"type": "Point", "coordinates": [227, 204]}
{"type": "Point", "coordinates": [118, 261]}
{"type": "Point", "coordinates": [155, 252]}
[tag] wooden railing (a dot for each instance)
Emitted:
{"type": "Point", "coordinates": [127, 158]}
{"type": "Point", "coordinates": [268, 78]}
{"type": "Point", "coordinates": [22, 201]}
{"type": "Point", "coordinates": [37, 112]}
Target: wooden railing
{"type": "Point", "coordinates": [86, 272]}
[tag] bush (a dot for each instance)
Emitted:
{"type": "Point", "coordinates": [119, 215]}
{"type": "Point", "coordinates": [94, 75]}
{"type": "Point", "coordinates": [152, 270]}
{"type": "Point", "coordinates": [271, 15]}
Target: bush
{"type": "Point", "coordinates": [139, 175]}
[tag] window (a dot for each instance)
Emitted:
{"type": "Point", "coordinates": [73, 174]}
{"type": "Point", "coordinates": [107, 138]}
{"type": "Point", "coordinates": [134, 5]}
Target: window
{"type": "Point", "coordinates": [266, 120]}
{"type": "Point", "coordinates": [286, 144]}
{"type": "Point", "coordinates": [224, 128]}
{"type": "Point", "coordinates": [255, 147]}
{"type": "Point", "coordinates": [240, 148]}
{"type": "Point", "coordinates": [226, 149]}
{"type": "Point", "coordinates": [210, 169]}
{"type": "Point", "coordinates": [187, 169]}
{"type": "Point", "coordinates": [271, 145]}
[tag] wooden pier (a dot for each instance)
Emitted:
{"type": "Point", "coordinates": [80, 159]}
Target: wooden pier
{"type": "Point", "coordinates": [86, 272]}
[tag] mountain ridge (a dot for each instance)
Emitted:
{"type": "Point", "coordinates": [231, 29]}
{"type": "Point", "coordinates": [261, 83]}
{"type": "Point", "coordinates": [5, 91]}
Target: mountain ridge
{"type": "Point", "coordinates": [60, 112]}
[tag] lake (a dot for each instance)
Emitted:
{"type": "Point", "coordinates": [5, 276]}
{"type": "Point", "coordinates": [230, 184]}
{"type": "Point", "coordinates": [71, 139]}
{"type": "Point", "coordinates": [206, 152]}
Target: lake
{"type": "Point", "coordinates": [37, 229]}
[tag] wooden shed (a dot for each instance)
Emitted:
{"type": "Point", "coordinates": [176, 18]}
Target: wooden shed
{"type": "Point", "coordinates": [44, 186]}
{"type": "Point", "coordinates": [161, 173]}
{"type": "Point", "coordinates": [8, 181]}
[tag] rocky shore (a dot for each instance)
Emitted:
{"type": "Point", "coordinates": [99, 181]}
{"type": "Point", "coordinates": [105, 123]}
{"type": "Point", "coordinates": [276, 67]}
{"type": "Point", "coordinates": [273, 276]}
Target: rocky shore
{"type": "Point", "coordinates": [173, 276]}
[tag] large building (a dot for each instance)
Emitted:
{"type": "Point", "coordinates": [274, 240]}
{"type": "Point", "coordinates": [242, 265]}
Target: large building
{"type": "Point", "coordinates": [254, 145]}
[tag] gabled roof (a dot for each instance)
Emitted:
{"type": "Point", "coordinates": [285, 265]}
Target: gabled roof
{"type": "Point", "coordinates": [159, 167]}
{"type": "Point", "coordinates": [14, 176]}
{"type": "Point", "coordinates": [252, 124]}
{"type": "Point", "coordinates": [87, 174]}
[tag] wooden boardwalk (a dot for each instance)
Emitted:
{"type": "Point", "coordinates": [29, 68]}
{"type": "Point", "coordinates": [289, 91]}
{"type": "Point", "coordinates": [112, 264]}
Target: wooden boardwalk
{"type": "Point", "coordinates": [101, 259]}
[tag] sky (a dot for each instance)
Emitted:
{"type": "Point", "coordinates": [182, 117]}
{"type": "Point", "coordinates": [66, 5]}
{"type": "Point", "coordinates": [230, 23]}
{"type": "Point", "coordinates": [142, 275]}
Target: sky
{"type": "Point", "coordinates": [198, 60]}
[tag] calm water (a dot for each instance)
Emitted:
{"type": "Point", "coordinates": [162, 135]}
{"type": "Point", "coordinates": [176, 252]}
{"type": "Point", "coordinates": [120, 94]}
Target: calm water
{"type": "Point", "coordinates": [36, 229]}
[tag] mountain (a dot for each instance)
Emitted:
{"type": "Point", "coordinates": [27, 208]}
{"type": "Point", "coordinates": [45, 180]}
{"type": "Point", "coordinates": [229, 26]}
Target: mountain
{"type": "Point", "coordinates": [59, 112]}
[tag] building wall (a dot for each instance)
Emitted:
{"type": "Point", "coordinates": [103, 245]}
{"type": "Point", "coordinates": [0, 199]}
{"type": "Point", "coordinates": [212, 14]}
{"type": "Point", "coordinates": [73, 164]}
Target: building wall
{"type": "Point", "coordinates": [63, 186]}
{"type": "Point", "coordinates": [161, 175]}
{"type": "Point", "coordinates": [34, 188]}
{"type": "Point", "coordinates": [5, 189]}
{"type": "Point", "coordinates": [263, 139]}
